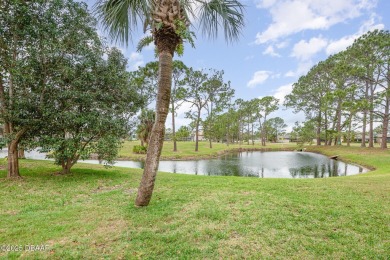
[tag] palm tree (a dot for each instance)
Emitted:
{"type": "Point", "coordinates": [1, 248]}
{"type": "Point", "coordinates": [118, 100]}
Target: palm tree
{"type": "Point", "coordinates": [168, 22]}
{"type": "Point", "coordinates": [145, 126]}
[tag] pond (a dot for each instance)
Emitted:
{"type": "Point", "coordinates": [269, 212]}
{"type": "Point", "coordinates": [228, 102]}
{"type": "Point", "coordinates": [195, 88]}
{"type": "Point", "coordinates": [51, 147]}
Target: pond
{"type": "Point", "coordinates": [280, 164]}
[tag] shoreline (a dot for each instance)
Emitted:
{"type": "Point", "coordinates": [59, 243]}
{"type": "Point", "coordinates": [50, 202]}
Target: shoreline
{"type": "Point", "coordinates": [178, 157]}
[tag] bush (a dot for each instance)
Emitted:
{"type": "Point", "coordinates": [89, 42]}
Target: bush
{"type": "Point", "coordinates": [139, 149]}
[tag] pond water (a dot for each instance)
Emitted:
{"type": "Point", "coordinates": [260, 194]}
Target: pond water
{"type": "Point", "coordinates": [249, 164]}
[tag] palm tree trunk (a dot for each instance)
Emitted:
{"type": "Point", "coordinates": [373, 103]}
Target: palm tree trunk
{"type": "Point", "coordinates": [146, 187]}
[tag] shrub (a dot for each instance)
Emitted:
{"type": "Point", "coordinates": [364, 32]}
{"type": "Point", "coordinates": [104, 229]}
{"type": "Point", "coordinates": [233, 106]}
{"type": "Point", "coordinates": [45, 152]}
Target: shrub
{"type": "Point", "coordinates": [139, 149]}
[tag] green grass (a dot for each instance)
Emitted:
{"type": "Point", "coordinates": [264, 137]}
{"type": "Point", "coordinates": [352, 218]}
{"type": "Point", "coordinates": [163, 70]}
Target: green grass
{"type": "Point", "coordinates": [186, 150]}
{"type": "Point", "coordinates": [90, 214]}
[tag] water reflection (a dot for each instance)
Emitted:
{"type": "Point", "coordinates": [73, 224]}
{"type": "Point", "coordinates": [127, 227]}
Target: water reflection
{"type": "Point", "coordinates": [265, 165]}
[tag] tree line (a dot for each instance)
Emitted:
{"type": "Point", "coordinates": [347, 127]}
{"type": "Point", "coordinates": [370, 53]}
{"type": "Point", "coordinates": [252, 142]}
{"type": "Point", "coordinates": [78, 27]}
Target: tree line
{"type": "Point", "coordinates": [212, 107]}
{"type": "Point", "coordinates": [347, 93]}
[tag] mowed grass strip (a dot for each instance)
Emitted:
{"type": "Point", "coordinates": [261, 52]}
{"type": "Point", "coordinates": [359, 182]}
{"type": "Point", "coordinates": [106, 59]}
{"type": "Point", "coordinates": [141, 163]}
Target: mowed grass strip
{"type": "Point", "coordinates": [90, 214]}
{"type": "Point", "coordinates": [186, 150]}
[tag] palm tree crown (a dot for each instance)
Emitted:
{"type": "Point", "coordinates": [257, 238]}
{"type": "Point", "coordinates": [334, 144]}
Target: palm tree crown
{"type": "Point", "coordinates": [120, 17]}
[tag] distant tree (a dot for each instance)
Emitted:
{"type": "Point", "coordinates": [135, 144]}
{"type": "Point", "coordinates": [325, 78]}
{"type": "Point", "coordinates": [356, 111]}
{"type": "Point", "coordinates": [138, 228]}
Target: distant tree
{"type": "Point", "coordinates": [145, 79]}
{"type": "Point", "coordinates": [146, 121]}
{"type": "Point", "coordinates": [267, 105]}
{"type": "Point", "coordinates": [198, 96]}
{"type": "Point", "coordinates": [315, 106]}
{"type": "Point", "coordinates": [275, 127]}
{"type": "Point", "coordinates": [178, 93]}
{"type": "Point", "coordinates": [168, 134]}
{"type": "Point", "coordinates": [250, 109]}
{"type": "Point", "coordinates": [220, 94]}
{"type": "Point", "coordinates": [370, 56]}
{"type": "Point", "coordinates": [239, 107]}
{"type": "Point", "coordinates": [183, 133]}
{"type": "Point", "coordinates": [304, 133]}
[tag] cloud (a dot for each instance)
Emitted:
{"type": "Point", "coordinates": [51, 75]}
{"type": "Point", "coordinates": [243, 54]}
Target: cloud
{"type": "Point", "coordinates": [180, 119]}
{"type": "Point", "coordinates": [282, 92]}
{"type": "Point", "coordinates": [270, 51]}
{"type": "Point", "coordinates": [293, 16]}
{"type": "Point", "coordinates": [304, 50]}
{"type": "Point", "coordinates": [264, 3]}
{"type": "Point", "coordinates": [282, 45]}
{"type": "Point", "coordinates": [341, 44]}
{"type": "Point", "coordinates": [303, 68]}
{"type": "Point", "coordinates": [259, 78]}
{"type": "Point", "coordinates": [250, 57]}
{"type": "Point", "coordinates": [287, 115]}
{"type": "Point", "coordinates": [136, 60]}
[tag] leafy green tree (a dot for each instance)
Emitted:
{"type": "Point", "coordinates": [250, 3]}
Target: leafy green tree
{"type": "Point", "coordinates": [275, 127]}
{"type": "Point", "coordinates": [198, 96]}
{"type": "Point", "coordinates": [220, 94]}
{"type": "Point", "coordinates": [340, 74]}
{"type": "Point", "coordinates": [39, 43]}
{"type": "Point", "coordinates": [238, 106]}
{"type": "Point", "coordinates": [309, 95]}
{"type": "Point", "coordinates": [267, 105]}
{"type": "Point", "coordinates": [250, 110]}
{"type": "Point", "coordinates": [304, 133]}
{"type": "Point", "coordinates": [178, 93]}
{"type": "Point", "coordinates": [370, 54]}
{"type": "Point", "coordinates": [373, 54]}
{"type": "Point", "coordinates": [145, 79]}
{"type": "Point", "coordinates": [168, 22]}
{"type": "Point", "coordinates": [183, 133]}
{"type": "Point", "coordinates": [94, 104]}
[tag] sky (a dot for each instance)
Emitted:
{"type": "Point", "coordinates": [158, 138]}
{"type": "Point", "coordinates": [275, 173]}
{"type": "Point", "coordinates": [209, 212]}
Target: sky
{"type": "Point", "coordinates": [281, 41]}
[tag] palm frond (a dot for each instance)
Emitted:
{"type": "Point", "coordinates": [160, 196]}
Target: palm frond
{"type": "Point", "coordinates": [119, 17]}
{"type": "Point", "coordinates": [227, 14]}
{"type": "Point", "coordinates": [145, 41]}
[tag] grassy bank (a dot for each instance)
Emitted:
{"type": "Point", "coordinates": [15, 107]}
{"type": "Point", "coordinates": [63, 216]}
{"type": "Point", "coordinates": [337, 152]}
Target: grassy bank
{"type": "Point", "coordinates": [90, 214]}
{"type": "Point", "coordinates": [186, 150]}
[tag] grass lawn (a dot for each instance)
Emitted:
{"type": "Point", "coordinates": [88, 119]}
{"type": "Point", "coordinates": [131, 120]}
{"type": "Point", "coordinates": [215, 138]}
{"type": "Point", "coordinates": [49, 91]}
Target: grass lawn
{"type": "Point", "coordinates": [186, 150]}
{"type": "Point", "coordinates": [90, 214]}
